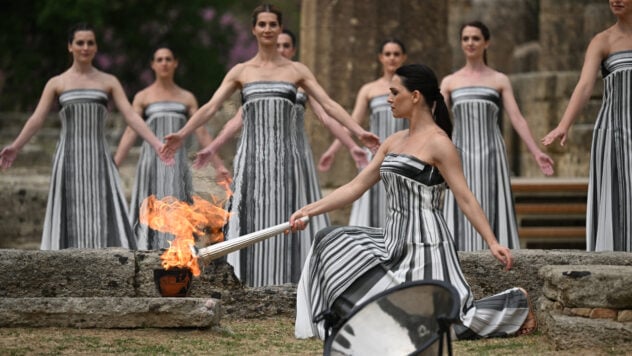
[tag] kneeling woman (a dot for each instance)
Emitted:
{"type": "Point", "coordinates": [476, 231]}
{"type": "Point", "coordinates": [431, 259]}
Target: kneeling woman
{"type": "Point", "coordinates": [348, 265]}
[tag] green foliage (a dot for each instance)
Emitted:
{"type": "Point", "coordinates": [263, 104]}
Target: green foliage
{"type": "Point", "coordinates": [33, 35]}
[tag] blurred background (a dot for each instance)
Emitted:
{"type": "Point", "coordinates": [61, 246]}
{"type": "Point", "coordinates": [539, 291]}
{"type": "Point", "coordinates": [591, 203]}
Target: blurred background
{"type": "Point", "coordinates": [209, 37]}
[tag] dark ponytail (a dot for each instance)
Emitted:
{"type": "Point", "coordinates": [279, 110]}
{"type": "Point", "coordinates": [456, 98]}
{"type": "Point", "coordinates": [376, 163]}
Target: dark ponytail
{"type": "Point", "coordinates": [421, 78]}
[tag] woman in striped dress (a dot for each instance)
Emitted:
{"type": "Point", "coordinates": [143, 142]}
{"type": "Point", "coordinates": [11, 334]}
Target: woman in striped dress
{"type": "Point", "coordinates": [269, 164]}
{"type": "Point", "coordinates": [165, 107]}
{"type": "Point", "coordinates": [350, 264]}
{"type": "Point", "coordinates": [370, 208]}
{"type": "Point", "coordinates": [609, 211]}
{"type": "Point", "coordinates": [86, 205]}
{"type": "Point", "coordinates": [478, 94]}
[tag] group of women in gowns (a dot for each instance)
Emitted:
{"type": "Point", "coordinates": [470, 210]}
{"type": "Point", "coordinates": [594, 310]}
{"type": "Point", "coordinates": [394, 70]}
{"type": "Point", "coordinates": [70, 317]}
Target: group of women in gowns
{"type": "Point", "coordinates": [274, 179]}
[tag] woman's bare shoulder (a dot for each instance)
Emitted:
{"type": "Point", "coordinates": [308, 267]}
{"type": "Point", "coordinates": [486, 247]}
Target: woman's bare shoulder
{"type": "Point", "coordinates": [452, 80]}
{"type": "Point", "coordinates": [440, 145]}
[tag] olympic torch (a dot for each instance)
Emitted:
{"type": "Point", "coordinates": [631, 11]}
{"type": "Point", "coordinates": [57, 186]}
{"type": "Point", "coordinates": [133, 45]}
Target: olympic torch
{"type": "Point", "coordinates": [225, 247]}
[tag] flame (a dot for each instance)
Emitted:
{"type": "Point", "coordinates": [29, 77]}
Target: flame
{"type": "Point", "coordinates": [185, 221]}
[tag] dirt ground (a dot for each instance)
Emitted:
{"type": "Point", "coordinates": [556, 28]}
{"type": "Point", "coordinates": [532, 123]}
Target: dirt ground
{"type": "Point", "coordinates": [271, 336]}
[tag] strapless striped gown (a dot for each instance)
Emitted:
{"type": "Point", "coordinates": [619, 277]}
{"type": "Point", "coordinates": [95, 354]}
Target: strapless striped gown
{"type": "Point", "coordinates": [86, 206]}
{"type": "Point", "coordinates": [269, 184]}
{"type": "Point", "coordinates": [477, 112]}
{"type": "Point", "coordinates": [311, 186]}
{"type": "Point", "coordinates": [609, 210]}
{"type": "Point", "coordinates": [415, 244]}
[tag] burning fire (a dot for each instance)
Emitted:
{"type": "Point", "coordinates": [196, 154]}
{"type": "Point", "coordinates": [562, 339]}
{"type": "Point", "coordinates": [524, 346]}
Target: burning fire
{"type": "Point", "coordinates": [185, 221]}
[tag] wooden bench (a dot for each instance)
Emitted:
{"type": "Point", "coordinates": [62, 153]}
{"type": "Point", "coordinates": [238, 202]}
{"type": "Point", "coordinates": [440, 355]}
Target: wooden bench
{"type": "Point", "coordinates": [551, 212]}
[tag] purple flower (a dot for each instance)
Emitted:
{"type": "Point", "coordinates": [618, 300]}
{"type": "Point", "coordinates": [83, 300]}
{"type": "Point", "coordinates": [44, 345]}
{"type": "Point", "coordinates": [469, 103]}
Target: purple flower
{"type": "Point", "coordinates": [227, 20]}
{"type": "Point", "coordinates": [104, 61]}
{"type": "Point", "coordinates": [208, 14]}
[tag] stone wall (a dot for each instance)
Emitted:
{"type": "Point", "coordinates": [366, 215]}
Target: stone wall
{"type": "Point", "coordinates": [566, 28]}
{"type": "Point", "coordinates": [115, 272]}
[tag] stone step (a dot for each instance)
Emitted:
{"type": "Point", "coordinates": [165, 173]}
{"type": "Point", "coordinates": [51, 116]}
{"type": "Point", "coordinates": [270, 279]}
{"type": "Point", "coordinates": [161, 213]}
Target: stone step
{"type": "Point", "coordinates": [586, 305]}
{"type": "Point", "coordinates": [110, 312]}
{"type": "Point", "coordinates": [120, 273]}
{"type": "Point", "coordinates": [583, 286]}
{"type": "Point", "coordinates": [109, 272]}
{"type": "Point", "coordinates": [566, 332]}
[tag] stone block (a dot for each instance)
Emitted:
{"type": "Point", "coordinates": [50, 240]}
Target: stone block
{"type": "Point", "coordinates": [583, 312]}
{"type": "Point", "coordinates": [486, 277]}
{"type": "Point", "coordinates": [260, 302]}
{"type": "Point", "coordinates": [67, 273]}
{"type": "Point", "coordinates": [566, 332]}
{"type": "Point", "coordinates": [589, 286]}
{"type": "Point", "coordinates": [110, 312]}
{"type": "Point", "coordinates": [624, 316]}
{"type": "Point", "coordinates": [603, 313]}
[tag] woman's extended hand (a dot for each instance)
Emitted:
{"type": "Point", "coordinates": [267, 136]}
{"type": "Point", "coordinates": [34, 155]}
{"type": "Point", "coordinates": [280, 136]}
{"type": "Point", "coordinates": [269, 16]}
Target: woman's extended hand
{"type": "Point", "coordinates": [296, 223]}
{"type": "Point", "coordinates": [370, 140]}
{"type": "Point", "coordinates": [502, 254]}
{"type": "Point", "coordinates": [204, 157]}
{"type": "Point", "coordinates": [360, 157]}
{"type": "Point", "coordinates": [173, 142]}
{"type": "Point", "coordinates": [545, 163]}
{"type": "Point", "coordinates": [556, 133]}
{"type": "Point", "coordinates": [325, 161]}
{"type": "Point", "coordinates": [7, 156]}
{"type": "Point", "coordinates": [167, 159]}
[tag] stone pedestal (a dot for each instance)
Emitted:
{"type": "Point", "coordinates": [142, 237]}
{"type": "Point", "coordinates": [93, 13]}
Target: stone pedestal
{"type": "Point", "coordinates": [110, 312]}
{"type": "Point", "coordinates": [74, 285]}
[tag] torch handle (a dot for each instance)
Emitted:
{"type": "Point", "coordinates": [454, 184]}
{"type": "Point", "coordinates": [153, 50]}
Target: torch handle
{"type": "Point", "coordinates": [225, 247]}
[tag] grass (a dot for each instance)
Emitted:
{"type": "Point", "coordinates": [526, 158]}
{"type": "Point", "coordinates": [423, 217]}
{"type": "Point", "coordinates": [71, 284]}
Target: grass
{"type": "Point", "coordinates": [272, 336]}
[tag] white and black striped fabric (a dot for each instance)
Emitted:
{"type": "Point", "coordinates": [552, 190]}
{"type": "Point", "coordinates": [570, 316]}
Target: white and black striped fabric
{"type": "Point", "coordinates": [370, 208]}
{"type": "Point", "coordinates": [415, 244]}
{"type": "Point", "coordinates": [609, 211]}
{"type": "Point", "coordinates": [86, 206]}
{"type": "Point", "coordinates": [270, 183]}
{"type": "Point", "coordinates": [477, 113]}
{"type": "Point", "coordinates": [154, 177]}
{"type": "Point", "coordinates": [310, 189]}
